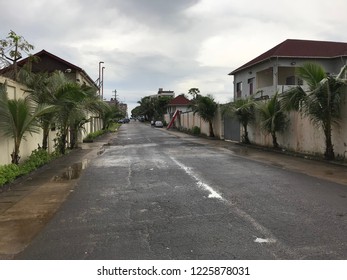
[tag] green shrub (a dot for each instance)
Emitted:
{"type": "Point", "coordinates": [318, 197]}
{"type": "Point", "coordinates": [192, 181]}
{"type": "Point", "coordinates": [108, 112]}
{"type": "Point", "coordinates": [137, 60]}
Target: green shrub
{"type": "Point", "coordinates": [37, 158]}
{"type": "Point", "coordinates": [196, 130]}
{"type": "Point", "coordinates": [91, 136]}
{"type": "Point", "coordinates": [113, 127]}
{"type": "Point", "coordinates": [8, 173]}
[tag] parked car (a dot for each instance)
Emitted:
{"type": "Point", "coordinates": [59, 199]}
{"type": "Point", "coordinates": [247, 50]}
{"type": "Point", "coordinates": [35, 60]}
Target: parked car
{"type": "Point", "coordinates": [158, 124]}
{"type": "Point", "coordinates": [125, 120]}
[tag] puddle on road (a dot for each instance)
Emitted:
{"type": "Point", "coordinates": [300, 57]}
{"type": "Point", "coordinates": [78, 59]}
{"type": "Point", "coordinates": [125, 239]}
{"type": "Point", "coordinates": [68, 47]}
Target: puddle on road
{"type": "Point", "coordinates": [73, 172]}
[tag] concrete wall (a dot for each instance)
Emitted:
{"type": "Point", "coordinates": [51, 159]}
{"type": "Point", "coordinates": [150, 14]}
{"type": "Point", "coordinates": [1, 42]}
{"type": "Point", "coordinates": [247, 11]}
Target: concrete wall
{"type": "Point", "coordinates": [187, 120]}
{"type": "Point", "coordinates": [16, 90]}
{"type": "Point", "coordinates": [302, 136]}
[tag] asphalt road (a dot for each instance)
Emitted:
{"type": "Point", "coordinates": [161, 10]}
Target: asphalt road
{"type": "Point", "coordinates": [153, 195]}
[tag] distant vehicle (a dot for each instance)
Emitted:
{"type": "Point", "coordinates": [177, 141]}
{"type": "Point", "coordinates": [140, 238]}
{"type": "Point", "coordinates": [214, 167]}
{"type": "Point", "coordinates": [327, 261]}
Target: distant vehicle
{"type": "Point", "coordinates": [125, 120]}
{"type": "Point", "coordinates": [158, 124]}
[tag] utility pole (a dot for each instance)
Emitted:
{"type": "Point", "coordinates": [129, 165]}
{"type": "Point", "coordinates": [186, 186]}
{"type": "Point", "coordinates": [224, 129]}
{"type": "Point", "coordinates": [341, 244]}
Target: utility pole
{"type": "Point", "coordinates": [102, 83]}
{"type": "Point", "coordinates": [99, 84]}
{"type": "Point", "coordinates": [115, 96]}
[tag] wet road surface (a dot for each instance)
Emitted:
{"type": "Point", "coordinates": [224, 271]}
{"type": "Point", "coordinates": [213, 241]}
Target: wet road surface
{"type": "Point", "coordinates": [154, 195]}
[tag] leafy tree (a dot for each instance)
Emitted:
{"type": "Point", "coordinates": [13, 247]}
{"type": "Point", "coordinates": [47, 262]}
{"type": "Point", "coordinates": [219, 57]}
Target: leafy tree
{"type": "Point", "coordinates": [194, 92]}
{"type": "Point", "coordinates": [160, 106]}
{"type": "Point", "coordinates": [206, 107]}
{"type": "Point", "coordinates": [321, 102]}
{"type": "Point", "coordinates": [12, 48]}
{"type": "Point", "coordinates": [147, 107]}
{"type": "Point", "coordinates": [273, 119]}
{"type": "Point", "coordinates": [19, 117]}
{"type": "Point", "coordinates": [136, 112]}
{"type": "Point", "coordinates": [244, 111]}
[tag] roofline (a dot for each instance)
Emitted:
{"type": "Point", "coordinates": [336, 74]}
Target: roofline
{"type": "Point", "coordinates": [179, 104]}
{"type": "Point", "coordinates": [296, 57]}
{"type": "Point", "coordinates": [43, 51]}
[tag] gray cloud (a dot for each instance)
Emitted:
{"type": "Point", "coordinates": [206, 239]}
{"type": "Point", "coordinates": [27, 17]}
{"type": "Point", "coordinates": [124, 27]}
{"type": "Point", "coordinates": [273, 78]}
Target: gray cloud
{"type": "Point", "coordinates": [147, 44]}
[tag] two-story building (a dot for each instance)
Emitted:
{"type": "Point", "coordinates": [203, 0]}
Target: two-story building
{"type": "Point", "coordinates": [274, 70]}
{"type": "Point", "coordinates": [44, 61]}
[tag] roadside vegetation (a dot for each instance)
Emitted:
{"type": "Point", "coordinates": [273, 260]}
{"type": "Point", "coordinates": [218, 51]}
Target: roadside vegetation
{"type": "Point", "coordinates": [152, 109]}
{"type": "Point", "coordinates": [321, 103]}
{"type": "Point", "coordinates": [53, 102]}
{"type": "Point", "coordinates": [205, 106]}
{"type": "Point", "coordinates": [112, 127]}
{"type": "Point", "coordinates": [244, 111]}
{"type": "Point", "coordinates": [38, 158]}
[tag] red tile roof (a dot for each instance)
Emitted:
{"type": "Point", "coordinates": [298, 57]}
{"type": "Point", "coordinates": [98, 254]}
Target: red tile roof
{"type": "Point", "coordinates": [179, 100]}
{"type": "Point", "coordinates": [300, 49]}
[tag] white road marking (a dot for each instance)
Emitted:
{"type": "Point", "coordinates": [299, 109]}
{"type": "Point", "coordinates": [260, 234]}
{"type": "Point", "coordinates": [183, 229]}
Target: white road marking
{"type": "Point", "coordinates": [199, 182]}
{"type": "Point", "coordinates": [237, 210]}
{"type": "Point", "coordinates": [264, 240]}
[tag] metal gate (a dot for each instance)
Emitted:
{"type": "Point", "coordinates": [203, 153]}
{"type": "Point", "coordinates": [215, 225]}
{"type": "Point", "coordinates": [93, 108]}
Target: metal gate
{"type": "Point", "coordinates": [231, 129]}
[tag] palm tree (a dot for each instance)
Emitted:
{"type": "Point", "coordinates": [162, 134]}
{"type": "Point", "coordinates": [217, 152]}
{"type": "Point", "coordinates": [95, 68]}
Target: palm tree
{"type": "Point", "coordinates": [19, 117]}
{"type": "Point", "coordinates": [206, 107]}
{"type": "Point", "coordinates": [273, 118]}
{"type": "Point", "coordinates": [74, 102]}
{"type": "Point", "coordinates": [109, 115]}
{"type": "Point", "coordinates": [42, 87]}
{"type": "Point", "coordinates": [321, 103]}
{"type": "Point", "coordinates": [244, 111]}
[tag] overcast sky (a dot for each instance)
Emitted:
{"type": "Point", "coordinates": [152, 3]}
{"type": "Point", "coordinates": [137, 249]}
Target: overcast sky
{"type": "Point", "coordinates": [170, 44]}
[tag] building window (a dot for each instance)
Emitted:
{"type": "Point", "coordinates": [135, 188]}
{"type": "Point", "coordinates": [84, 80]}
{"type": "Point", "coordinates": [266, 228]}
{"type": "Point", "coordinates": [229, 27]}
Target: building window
{"type": "Point", "coordinates": [250, 85]}
{"type": "Point", "coordinates": [239, 89]}
{"type": "Point", "coordinates": [290, 80]}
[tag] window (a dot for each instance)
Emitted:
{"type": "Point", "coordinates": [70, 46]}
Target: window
{"type": "Point", "coordinates": [239, 89]}
{"type": "Point", "coordinates": [250, 84]}
{"type": "Point", "coordinates": [290, 80]}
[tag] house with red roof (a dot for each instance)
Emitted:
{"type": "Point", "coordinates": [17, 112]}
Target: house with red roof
{"type": "Point", "coordinates": [274, 70]}
{"type": "Point", "coordinates": [180, 103]}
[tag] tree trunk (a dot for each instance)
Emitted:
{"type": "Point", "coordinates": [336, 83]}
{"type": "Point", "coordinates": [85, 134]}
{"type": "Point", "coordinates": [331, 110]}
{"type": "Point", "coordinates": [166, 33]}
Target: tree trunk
{"type": "Point", "coordinates": [62, 143]}
{"type": "Point", "coordinates": [245, 135]}
{"type": "Point", "coordinates": [45, 138]}
{"type": "Point", "coordinates": [15, 154]}
{"type": "Point", "coordinates": [72, 138]}
{"type": "Point", "coordinates": [211, 129]}
{"type": "Point", "coordinates": [329, 148]}
{"type": "Point", "coordinates": [274, 140]}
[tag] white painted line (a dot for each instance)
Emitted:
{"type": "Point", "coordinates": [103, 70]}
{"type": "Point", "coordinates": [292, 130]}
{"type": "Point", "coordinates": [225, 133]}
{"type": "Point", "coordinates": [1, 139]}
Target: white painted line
{"type": "Point", "coordinates": [199, 182]}
{"type": "Point", "coordinates": [244, 215]}
{"type": "Point", "coordinates": [264, 240]}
